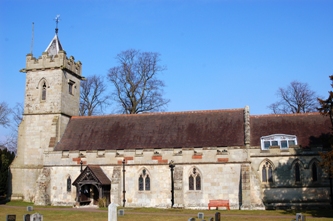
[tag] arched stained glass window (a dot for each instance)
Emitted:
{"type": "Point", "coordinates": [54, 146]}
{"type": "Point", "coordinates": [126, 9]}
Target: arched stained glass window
{"type": "Point", "coordinates": [69, 184]}
{"type": "Point", "coordinates": [270, 174]}
{"type": "Point", "coordinates": [314, 172]}
{"type": "Point", "coordinates": [267, 173]}
{"type": "Point", "coordinates": [194, 180]}
{"type": "Point", "coordinates": [297, 173]}
{"type": "Point", "coordinates": [191, 183]}
{"type": "Point", "coordinates": [140, 183]}
{"type": "Point", "coordinates": [147, 182]}
{"type": "Point", "coordinates": [198, 182]}
{"type": "Point", "coordinates": [264, 174]}
{"type": "Point", "coordinates": [144, 181]}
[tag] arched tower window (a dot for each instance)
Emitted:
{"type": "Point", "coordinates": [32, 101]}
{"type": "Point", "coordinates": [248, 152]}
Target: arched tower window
{"type": "Point", "coordinates": [144, 181]}
{"type": "Point", "coordinates": [194, 180]}
{"type": "Point", "coordinates": [44, 91]}
{"type": "Point", "coordinates": [314, 172]}
{"type": "Point", "coordinates": [267, 172]}
{"type": "Point", "coordinates": [69, 184]}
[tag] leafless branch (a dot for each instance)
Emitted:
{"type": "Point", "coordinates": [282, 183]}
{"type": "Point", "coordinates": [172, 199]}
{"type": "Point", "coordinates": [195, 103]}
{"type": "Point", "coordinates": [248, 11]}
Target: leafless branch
{"type": "Point", "coordinates": [137, 88]}
{"type": "Point", "coordinates": [295, 98]}
{"type": "Point", "coordinates": [92, 96]}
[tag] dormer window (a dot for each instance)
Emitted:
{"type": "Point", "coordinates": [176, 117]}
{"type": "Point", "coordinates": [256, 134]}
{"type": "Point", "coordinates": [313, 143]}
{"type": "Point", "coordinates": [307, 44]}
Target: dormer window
{"type": "Point", "coordinates": [284, 141]}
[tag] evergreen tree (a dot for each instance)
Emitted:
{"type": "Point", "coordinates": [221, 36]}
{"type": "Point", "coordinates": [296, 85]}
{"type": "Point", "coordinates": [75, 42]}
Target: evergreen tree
{"type": "Point", "coordinates": [6, 159]}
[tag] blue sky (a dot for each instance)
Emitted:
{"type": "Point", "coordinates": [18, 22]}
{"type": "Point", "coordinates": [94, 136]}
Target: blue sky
{"type": "Point", "coordinates": [220, 54]}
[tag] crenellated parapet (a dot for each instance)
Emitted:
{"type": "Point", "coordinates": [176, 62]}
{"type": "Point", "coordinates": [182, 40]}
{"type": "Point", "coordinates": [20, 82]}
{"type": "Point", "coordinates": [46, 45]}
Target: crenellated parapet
{"type": "Point", "coordinates": [60, 61]}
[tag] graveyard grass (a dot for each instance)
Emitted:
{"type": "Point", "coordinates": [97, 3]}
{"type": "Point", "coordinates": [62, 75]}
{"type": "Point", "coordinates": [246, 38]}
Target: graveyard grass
{"type": "Point", "coordinates": [52, 213]}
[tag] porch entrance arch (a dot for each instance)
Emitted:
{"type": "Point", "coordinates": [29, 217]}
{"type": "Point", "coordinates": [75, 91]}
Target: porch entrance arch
{"type": "Point", "coordinates": [91, 185]}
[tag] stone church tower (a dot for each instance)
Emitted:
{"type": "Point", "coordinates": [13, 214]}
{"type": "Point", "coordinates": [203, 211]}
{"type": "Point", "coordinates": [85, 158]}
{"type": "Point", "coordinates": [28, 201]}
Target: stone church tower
{"type": "Point", "coordinates": [52, 96]}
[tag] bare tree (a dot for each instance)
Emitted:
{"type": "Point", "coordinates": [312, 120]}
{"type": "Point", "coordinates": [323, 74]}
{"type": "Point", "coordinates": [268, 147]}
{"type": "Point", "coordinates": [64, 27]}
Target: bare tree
{"type": "Point", "coordinates": [137, 88]}
{"type": "Point", "coordinates": [10, 118]}
{"type": "Point", "coordinates": [92, 98]}
{"type": "Point", "coordinates": [17, 113]}
{"type": "Point", "coordinates": [5, 112]}
{"type": "Point", "coordinates": [295, 98]}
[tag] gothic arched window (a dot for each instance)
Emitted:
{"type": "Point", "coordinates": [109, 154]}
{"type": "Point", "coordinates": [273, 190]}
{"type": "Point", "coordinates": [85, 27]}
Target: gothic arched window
{"type": "Point", "coordinates": [314, 172]}
{"type": "Point", "coordinates": [194, 180]}
{"type": "Point", "coordinates": [69, 184]}
{"type": "Point", "coordinates": [297, 173]}
{"type": "Point", "coordinates": [144, 181]}
{"type": "Point", "coordinates": [267, 173]}
{"type": "Point", "coordinates": [44, 92]}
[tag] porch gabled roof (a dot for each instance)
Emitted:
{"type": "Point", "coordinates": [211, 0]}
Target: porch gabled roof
{"type": "Point", "coordinates": [92, 173]}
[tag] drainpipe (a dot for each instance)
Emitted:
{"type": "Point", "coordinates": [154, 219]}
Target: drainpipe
{"type": "Point", "coordinates": [124, 191]}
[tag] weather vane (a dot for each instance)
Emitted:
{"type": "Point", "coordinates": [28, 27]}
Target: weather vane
{"type": "Point", "coordinates": [57, 19]}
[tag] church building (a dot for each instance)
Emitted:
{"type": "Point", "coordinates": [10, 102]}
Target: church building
{"type": "Point", "coordinates": [163, 160]}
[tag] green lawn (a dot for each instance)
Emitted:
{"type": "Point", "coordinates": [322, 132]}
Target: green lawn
{"type": "Point", "coordinates": [152, 214]}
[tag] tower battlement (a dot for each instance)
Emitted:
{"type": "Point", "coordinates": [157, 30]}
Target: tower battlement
{"type": "Point", "coordinates": [53, 62]}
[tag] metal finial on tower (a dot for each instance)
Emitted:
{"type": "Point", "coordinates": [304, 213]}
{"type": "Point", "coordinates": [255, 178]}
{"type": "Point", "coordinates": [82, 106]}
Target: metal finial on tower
{"type": "Point", "coordinates": [57, 19]}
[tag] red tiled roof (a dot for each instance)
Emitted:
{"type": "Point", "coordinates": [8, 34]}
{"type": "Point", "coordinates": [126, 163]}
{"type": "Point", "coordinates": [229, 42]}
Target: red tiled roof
{"type": "Point", "coordinates": [155, 130]}
{"type": "Point", "coordinates": [308, 127]}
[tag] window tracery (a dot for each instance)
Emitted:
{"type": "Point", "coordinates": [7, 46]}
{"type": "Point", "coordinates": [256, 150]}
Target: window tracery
{"type": "Point", "coordinates": [267, 172]}
{"type": "Point", "coordinates": [144, 181]}
{"type": "Point", "coordinates": [194, 180]}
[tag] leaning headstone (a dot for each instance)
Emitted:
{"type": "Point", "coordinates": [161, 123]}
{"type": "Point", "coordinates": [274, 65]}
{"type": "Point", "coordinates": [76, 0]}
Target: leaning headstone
{"type": "Point", "coordinates": [11, 218]}
{"type": "Point", "coordinates": [36, 217]}
{"type": "Point", "coordinates": [217, 216]}
{"type": "Point", "coordinates": [112, 212]}
{"type": "Point", "coordinates": [30, 208]}
{"type": "Point", "coordinates": [26, 217]}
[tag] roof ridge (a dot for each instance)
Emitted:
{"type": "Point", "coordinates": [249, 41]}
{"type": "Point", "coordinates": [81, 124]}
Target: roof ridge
{"type": "Point", "coordinates": [290, 114]}
{"type": "Point", "coordinates": [161, 113]}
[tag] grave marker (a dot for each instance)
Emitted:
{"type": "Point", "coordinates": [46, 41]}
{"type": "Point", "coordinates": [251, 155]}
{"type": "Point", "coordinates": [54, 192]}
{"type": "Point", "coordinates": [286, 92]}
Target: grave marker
{"type": "Point", "coordinates": [112, 212]}
{"type": "Point", "coordinates": [121, 212]}
{"type": "Point", "coordinates": [30, 208]}
{"type": "Point", "coordinates": [26, 217]}
{"type": "Point", "coordinates": [217, 216]}
{"type": "Point", "coordinates": [36, 217]}
{"type": "Point", "coordinates": [11, 218]}
{"type": "Point", "coordinates": [201, 215]}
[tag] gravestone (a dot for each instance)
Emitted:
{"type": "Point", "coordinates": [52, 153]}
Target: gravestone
{"type": "Point", "coordinates": [191, 219]}
{"type": "Point", "coordinates": [36, 217]}
{"type": "Point", "coordinates": [217, 216]}
{"type": "Point", "coordinates": [30, 208]}
{"type": "Point", "coordinates": [121, 212]}
{"type": "Point", "coordinates": [26, 217]}
{"type": "Point", "coordinates": [300, 217]}
{"type": "Point", "coordinates": [201, 216]}
{"type": "Point", "coordinates": [112, 212]}
{"type": "Point", "coordinates": [11, 218]}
